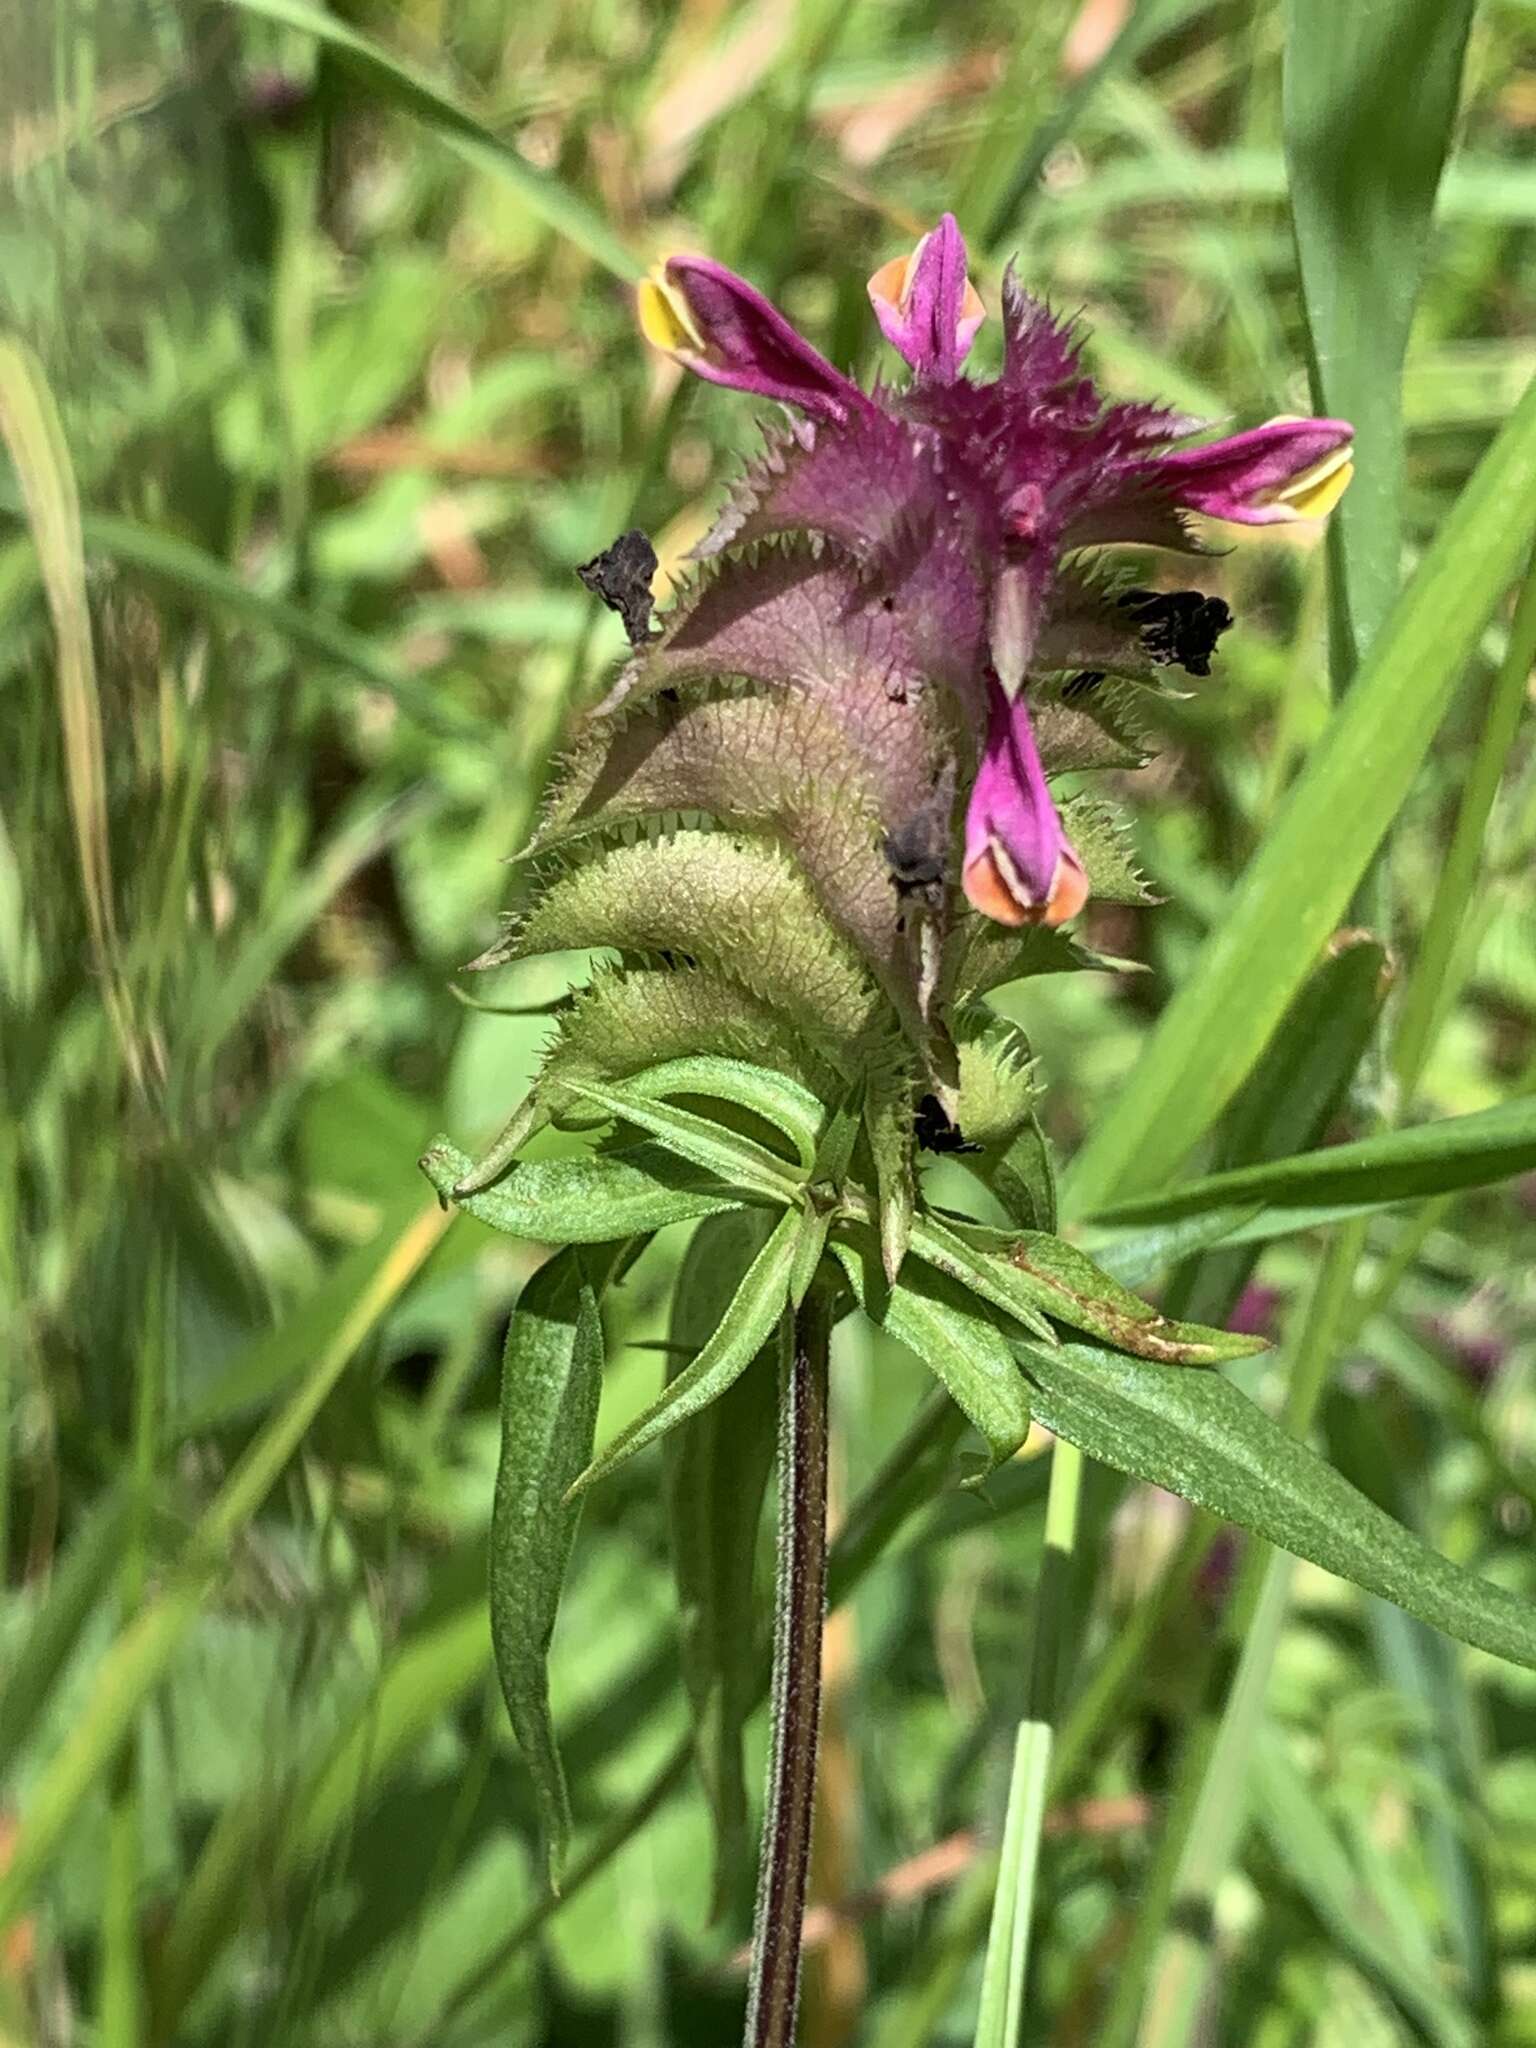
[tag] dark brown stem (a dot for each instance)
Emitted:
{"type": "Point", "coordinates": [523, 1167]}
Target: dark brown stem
{"type": "Point", "coordinates": [799, 1611]}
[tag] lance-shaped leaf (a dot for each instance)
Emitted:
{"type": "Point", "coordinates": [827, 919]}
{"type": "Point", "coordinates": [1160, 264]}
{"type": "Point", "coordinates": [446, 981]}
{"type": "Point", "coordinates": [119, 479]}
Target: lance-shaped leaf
{"type": "Point", "coordinates": [587, 1200]}
{"type": "Point", "coordinates": [734, 903]}
{"type": "Point", "coordinates": [1034, 1274]}
{"type": "Point", "coordinates": [550, 1385]}
{"type": "Point", "coordinates": [1399, 1166]}
{"type": "Point", "coordinates": [773, 1098]}
{"type": "Point", "coordinates": [1196, 1435]}
{"type": "Point", "coordinates": [741, 1333]}
{"type": "Point", "coordinates": [964, 1350]}
{"type": "Point", "coordinates": [717, 1467]}
{"type": "Point", "coordinates": [738, 1161]}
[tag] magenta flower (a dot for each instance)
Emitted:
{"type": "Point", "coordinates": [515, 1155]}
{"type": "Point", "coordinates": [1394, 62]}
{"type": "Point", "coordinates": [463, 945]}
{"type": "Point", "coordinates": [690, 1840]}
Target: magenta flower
{"type": "Point", "coordinates": [969, 506]}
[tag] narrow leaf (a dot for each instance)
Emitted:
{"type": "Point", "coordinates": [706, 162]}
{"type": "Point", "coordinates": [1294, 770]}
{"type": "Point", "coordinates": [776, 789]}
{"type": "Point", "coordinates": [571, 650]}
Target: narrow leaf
{"type": "Point", "coordinates": [587, 1200]}
{"type": "Point", "coordinates": [551, 1381]}
{"type": "Point", "coordinates": [742, 1332]}
{"type": "Point", "coordinates": [1196, 1435]}
{"type": "Point", "coordinates": [775, 1098]}
{"type": "Point", "coordinates": [928, 1313]}
{"type": "Point", "coordinates": [724, 1153]}
{"type": "Point", "coordinates": [1042, 1275]}
{"type": "Point", "coordinates": [717, 1468]}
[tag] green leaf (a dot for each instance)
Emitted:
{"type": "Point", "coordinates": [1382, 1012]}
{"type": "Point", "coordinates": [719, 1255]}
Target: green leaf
{"type": "Point", "coordinates": [1039, 1274]}
{"type": "Point", "coordinates": [403, 86]}
{"type": "Point", "coordinates": [741, 1333]}
{"type": "Point", "coordinates": [551, 1381]}
{"type": "Point", "coordinates": [1297, 886]}
{"type": "Point", "coordinates": [724, 1153]}
{"type": "Point", "coordinates": [1370, 97]}
{"type": "Point", "coordinates": [717, 1468]}
{"type": "Point", "coordinates": [587, 1200]}
{"type": "Point", "coordinates": [928, 1313]}
{"type": "Point", "coordinates": [786, 1104]}
{"type": "Point", "coordinates": [1399, 1166]}
{"type": "Point", "coordinates": [1196, 1435]}
{"type": "Point", "coordinates": [942, 1246]}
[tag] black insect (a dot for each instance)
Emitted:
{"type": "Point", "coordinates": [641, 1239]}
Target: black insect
{"type": "Point", "coordinates": [1178, 628]}
{"type": "Point", "coordinates": [1079, 685]}
{"type": "Point", "coordinates": [621, 577]}
{"type": "Point", "coordinates": [914, 853]}
{"type": "Point", "coordinates": [934, 1131]}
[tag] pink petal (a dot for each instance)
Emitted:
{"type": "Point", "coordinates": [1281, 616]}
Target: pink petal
{"type": "Point", "coordinates": [1019, 865]}
{"type": "Point", "coordinates": [926, 305]}
{"type": "Point", "coordinates": [1258, 478]}
{"type": "Point", "coordinates": [726, 331]}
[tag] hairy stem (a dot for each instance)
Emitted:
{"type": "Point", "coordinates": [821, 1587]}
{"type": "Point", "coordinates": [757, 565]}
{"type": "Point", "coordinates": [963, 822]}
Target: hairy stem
{"type": "Point", "coordinates": [799, 1610]}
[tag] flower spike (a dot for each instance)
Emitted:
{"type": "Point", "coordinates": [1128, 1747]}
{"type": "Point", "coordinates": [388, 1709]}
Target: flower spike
{"type": "Point", "coordinates": [927, 307]}
{"type": "Point", "coordinates": [723, 329]}
{"type": "Point", "coordinates": [931, 577]}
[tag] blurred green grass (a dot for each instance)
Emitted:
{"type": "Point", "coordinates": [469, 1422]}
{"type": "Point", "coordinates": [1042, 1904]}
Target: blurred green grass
{"type": "Point", "coordinates": [333, 356]}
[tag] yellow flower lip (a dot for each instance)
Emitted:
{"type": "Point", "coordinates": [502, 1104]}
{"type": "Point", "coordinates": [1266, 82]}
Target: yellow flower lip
{"type": "Point", "coordinates": [1314, 491]}
{"type": "Point", "coordinates": [666, 319]}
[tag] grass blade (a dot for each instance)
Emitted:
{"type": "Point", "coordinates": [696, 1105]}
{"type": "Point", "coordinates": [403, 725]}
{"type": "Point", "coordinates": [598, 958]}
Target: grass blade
{"type": "Point", "coordinates": [1001, 2012]}
{"type": "Point", "coordinates": [1370, 94]}
{"type": "Point", "coordinates": [402, 85]}
{"type": "Point", "coordinates": [1398, 1166]}
{"type": "Point", "coordinates": [137, 1660]}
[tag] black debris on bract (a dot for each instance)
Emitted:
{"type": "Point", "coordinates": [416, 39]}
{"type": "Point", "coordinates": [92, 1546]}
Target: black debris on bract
{"type": "Point", "coordinates": [1178, 628]}
{"type": "Point", "coordinates": [621, 577]}
{"type": "Point", "coordinates": [933, 1130]}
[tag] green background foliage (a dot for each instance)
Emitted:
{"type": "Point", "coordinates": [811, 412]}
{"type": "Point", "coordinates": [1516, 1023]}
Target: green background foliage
{"type": "Point", "coordinates": [318, 379]}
